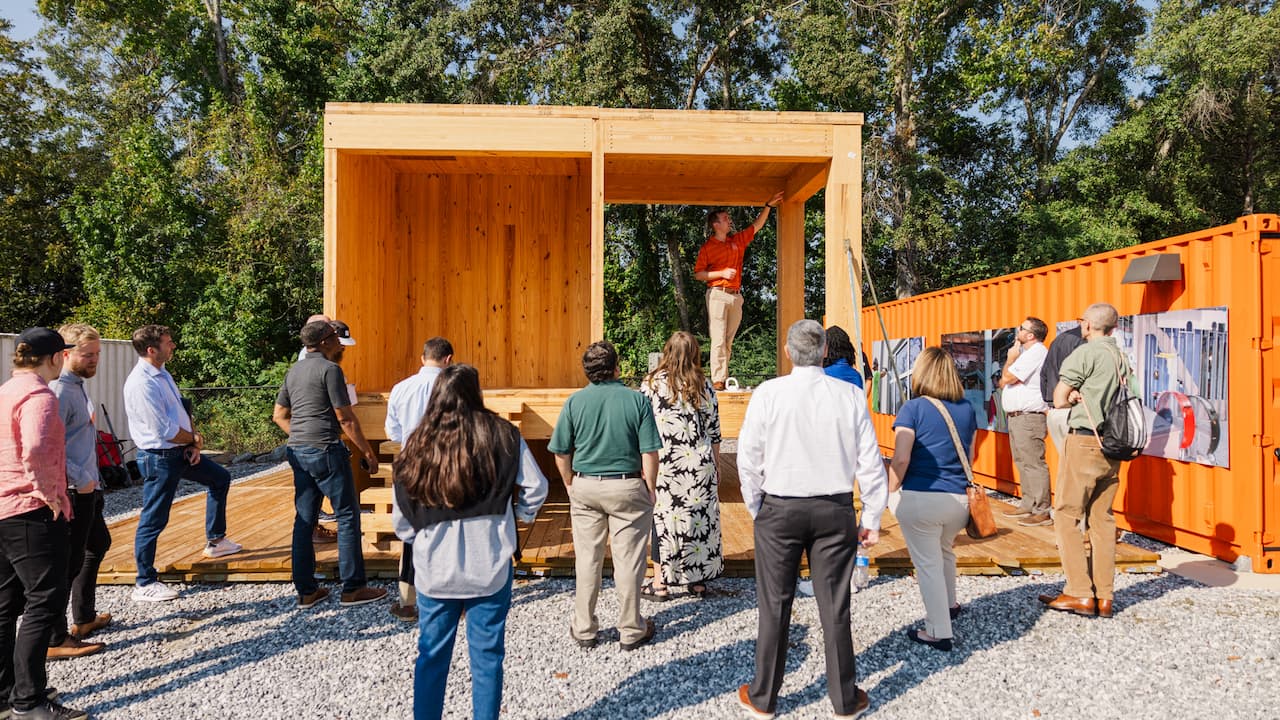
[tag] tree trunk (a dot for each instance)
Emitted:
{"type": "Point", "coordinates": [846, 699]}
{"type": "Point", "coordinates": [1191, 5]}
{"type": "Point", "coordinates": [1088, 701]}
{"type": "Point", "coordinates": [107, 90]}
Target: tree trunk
{"type": "Point", "coordinates": [214, 9]}
{"type": "Point", "coordinates": [677, 276]}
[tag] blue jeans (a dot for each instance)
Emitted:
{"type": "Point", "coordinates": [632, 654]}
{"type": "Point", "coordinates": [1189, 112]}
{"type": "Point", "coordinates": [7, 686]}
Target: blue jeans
{"type": "Point", "coordinates": [161, 470]}
{"type": "Point", "coordinates": [319, 473]}
{"type": "Point", "coordinates": [486, 643]}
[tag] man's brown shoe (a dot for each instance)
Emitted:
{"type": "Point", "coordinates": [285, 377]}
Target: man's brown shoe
{"type": "Point", "coordinates": [1017, 513]}
{"type": "Point", "coordinates": [73, 648]}
{"type": "Point", "coordinates": [860, 705]}
{"type": "Point", "coordinates": [1067, 603]}
{"type": "Point", "coordinates": [82, 631]}
{"type": "Point", "coordinates": [324, 536]}
{"type": "Point", "coordinates": [744, 701]}
{"type": "Point", "coordinates": [649, 631]}
{"type": "Point", "coordinates": [310, 599]}
{"type": "Point", "coordinates": [362, 596]}
{"type": "Point", "coordinates": [1104, 608]}
{"type": "Point", "coordinates": [405, 613]}
{"type": "Point", "coordinates": [717, 385]}
{"type": "Point", "coordinates": [1036, 520]}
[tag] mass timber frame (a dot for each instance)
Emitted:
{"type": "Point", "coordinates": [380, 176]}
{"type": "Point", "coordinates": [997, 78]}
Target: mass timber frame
{"type": "Point", "coordinates": [485, 224]}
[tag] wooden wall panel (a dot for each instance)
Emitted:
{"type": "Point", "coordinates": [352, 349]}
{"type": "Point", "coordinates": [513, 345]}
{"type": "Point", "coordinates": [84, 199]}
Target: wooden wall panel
{"type": "Point", "coordinates": [494, 263]}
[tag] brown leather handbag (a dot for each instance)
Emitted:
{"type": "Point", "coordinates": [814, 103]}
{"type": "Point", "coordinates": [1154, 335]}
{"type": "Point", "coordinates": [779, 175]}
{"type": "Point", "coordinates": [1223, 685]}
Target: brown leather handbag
{"type": "Point", "coordinates": [982, 523]}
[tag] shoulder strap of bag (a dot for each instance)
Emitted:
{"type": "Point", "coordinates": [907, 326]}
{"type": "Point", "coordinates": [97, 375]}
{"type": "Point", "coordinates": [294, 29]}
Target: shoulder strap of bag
{"type": "Point", "coordinates": [1123, 371]}
{"type": "Point", "coordinates": [955, 437]}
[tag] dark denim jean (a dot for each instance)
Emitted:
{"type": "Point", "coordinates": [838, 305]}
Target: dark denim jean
{"type": "Point", "coordinates": [89, 542]}
{"type": "Point", "coordinates": [161, 471]}
{"type": "Point", "coordinates": [319, 473]}
{"type": "Point", "coordinates": [33, 567]}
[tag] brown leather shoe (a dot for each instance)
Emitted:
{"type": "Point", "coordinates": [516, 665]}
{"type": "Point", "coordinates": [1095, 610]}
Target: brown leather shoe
{"type": "Point", "coordinates": [73, 648]}
{"type": "Point", "coordinates": [1104, 608]}
{"type": "Point", "coordinates": [861, 703]}
{"type": "Point", "coordinates": [1067, 603]}
{"type": "Point", "coordinates": [649, 631]}
{"type": "Point", "coordinates": [324, 536]}
{"type": "Point", "coordinates": [718, 386]}
{"type": "Point", "coordinates": [82, 631]}
{"type": "Point", "coordinates": [744, 701]}
{"type": "Point", "coordinates": [361, 596]}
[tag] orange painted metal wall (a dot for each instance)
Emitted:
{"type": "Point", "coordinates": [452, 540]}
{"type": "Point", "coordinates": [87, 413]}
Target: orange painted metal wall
{"type": "Point", "coordinates": [1225, 512]}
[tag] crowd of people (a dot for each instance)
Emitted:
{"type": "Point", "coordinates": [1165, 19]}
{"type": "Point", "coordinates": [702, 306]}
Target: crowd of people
{"type": "Point", "coordinates": [641, 469]}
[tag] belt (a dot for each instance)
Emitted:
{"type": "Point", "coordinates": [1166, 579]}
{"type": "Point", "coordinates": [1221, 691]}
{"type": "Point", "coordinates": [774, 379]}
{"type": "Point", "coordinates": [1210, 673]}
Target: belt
{"type": "Point", "coordinates": [166, 452]}
{"type": "Point", "coordinates": [615, 476]}
{"type": "Point", "coordinates": [727, 290]}
{"type": "Point", "coordinates": [1016, 413]}
{"type": "Point", "coordinates": [1082, 431]}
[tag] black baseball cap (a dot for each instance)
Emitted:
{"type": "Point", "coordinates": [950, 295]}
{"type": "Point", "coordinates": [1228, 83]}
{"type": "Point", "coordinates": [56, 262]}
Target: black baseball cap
{"type": "Point", "coordinates": [43, 341]}
{"type": "Point", "coordinates": [344, 332]}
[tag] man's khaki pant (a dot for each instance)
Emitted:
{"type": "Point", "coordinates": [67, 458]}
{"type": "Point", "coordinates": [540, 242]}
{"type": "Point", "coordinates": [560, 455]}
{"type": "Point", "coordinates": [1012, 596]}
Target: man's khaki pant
{"type": "Point", "coordinates": [724, 314]}
{"type": "Point", "coordinates": [1087, 485]}
{"type": "Point", "coordinates": [1026, 441]}
{"type": "Point", "coordinates": [620, 511]}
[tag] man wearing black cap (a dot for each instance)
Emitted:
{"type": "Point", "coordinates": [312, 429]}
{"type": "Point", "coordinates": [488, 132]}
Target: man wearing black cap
{"type": "Point", "coordinates": [314, 409]}
{"type": "Point", "coordinates": [33, 525]}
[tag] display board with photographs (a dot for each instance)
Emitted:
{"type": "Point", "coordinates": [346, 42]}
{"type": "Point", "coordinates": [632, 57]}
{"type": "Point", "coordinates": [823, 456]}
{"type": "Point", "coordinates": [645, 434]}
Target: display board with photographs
{"type": "Point", "coordinates": [887, 396]}
{"type": "Point", "coordinates": [1179, 360]}
{"type": "Point", "coordinates": [979, 357]}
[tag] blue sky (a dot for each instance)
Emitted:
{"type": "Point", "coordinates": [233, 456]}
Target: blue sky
{"type": "Point", "coordinates": [22, 13]}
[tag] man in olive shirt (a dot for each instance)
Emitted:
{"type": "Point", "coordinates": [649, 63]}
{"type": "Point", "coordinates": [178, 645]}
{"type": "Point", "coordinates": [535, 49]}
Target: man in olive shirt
{"type": "Point", "coordinates": [606, 445]}
{"type": "Point", "coordinates": [1088, 480]}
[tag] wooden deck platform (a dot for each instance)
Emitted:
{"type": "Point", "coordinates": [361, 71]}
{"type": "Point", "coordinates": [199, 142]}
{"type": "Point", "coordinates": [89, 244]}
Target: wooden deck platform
{"type": "Point", "coordinates": [260, 517]}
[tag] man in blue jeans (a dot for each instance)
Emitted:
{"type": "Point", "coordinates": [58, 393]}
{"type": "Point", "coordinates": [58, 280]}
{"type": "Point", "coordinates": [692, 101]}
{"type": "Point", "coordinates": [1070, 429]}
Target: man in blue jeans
{"type": "Point", "coordinates": [314, 409]}
{"type": "Point", "coordinates": [168, 450]}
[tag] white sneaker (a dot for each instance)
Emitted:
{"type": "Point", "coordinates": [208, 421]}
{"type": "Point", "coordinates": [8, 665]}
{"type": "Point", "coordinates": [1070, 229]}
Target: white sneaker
{"type": "Point", "coordinates": [154, 592]}
{"type": "Point", "coordinates": [221, 548]}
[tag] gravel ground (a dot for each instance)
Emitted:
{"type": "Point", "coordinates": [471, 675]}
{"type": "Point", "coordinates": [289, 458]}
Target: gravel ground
{"type": "Point", "coordinates": [1175, 649]}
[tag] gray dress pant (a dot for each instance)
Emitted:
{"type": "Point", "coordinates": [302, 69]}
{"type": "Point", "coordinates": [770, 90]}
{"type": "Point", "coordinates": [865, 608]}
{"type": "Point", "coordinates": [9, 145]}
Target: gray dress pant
{"type": "Point", "coordinates": [827, 529]}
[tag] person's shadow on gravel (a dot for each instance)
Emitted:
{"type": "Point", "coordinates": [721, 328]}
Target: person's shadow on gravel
{"type": "Point", "coordinates": [987, 621]}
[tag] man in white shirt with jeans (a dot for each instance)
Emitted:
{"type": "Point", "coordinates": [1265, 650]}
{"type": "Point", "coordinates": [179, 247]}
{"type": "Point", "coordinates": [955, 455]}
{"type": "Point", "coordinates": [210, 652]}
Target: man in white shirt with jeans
{"type": "Point", "coordinates": [1025, 407]}
{"type": "Point", "coordinates": [805, 438]}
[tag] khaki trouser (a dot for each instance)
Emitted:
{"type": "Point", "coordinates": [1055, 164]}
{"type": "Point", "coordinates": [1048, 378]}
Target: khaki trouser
{"type": "Point", "coordinates": [1087, 485]}
{"type": "Point", "coordinates": [621, 512]}
{"type": "Point", "coordinates": [930, 522]}
{"type": "Point", "coordinates": [1056, 422]}
{"type": "Point", "coordinates": [1026, 442]}
{"type": "Point", "coordinates": [724, 314]}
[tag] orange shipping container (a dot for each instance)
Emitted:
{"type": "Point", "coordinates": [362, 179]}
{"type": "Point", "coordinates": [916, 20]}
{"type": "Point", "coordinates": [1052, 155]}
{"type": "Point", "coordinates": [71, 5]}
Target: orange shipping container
{"type": "Point", "coordinates": [1228, 512]}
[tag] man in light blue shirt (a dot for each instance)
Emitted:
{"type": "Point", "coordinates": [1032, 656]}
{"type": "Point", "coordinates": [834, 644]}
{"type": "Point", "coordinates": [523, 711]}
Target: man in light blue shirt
{"type": "Point", "coordinates": [168, 450]}
{"type": "Point", "coordinates": [405, 408]}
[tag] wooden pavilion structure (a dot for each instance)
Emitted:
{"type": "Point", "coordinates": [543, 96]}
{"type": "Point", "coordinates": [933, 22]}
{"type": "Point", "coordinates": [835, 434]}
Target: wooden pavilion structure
{"type": "Point", "coordinates": [485, 224]}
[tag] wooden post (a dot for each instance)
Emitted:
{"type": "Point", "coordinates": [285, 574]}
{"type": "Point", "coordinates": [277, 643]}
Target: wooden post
{"type": "Point", "coordinates": [597, 232]}
{"type": "Point", "coordinates": [844, 221]}
{"type": "Point", "coordinates": [790, 273]}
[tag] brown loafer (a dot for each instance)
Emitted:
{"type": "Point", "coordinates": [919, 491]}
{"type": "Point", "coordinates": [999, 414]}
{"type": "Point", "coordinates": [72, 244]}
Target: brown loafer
{"type": "Point", "coordinates": [1104, 608]}
{"type": "Point", "coordinates": [84, 630]}
{"type": "Point", "coordinates": [744, 701]}
{"type": "Point", "coordinates": [324, 536]}
{"type": "Point", "coordinates": [861, 703]}
{"type": "Point", "coordinates": [717, 386]}
{"type": "Point", "coordinates": [73, 648]}
{"type": "Point", "coordinates": [1067, 603]}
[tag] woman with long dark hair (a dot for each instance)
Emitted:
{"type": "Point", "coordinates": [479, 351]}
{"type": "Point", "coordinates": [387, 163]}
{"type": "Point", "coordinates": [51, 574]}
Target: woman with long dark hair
{"type": "Point", "coordinates": [928, 468]}
{"type": "Point", "coordinates": [462, 480]}
{"type": "Point", "coordinates": [686, 516]}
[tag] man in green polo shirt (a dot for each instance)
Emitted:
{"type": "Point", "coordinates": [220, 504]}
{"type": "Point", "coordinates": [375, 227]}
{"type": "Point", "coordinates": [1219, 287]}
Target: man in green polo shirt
{"type": "Point", "coordinates": [1087, 479]}
{"type": "Point", "coordinates": [606, 445]}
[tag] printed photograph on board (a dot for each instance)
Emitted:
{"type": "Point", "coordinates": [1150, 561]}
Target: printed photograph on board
{"type": "Point", "coordinates": [979, 358]}
{"type": "Point", "coordinates": [888, 358]}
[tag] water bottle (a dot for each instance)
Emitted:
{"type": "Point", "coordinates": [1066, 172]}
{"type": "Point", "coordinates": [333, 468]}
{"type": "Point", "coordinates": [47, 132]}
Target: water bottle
{"type": "Point", "coordinates": [861, 571]}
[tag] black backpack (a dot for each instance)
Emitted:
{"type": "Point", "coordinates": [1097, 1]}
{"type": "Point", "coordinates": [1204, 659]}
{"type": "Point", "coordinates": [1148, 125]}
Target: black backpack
{"type": "Point", "coordinates": [1123, 432]}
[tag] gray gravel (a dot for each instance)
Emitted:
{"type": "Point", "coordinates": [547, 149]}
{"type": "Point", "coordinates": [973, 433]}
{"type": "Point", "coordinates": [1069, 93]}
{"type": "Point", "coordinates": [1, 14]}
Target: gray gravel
{"type": "Point", "coordinates": [1174, 649]}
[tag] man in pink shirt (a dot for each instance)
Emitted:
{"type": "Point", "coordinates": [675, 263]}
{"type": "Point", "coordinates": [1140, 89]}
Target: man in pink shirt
{"type": "Point", "coordinates": [34, 509]}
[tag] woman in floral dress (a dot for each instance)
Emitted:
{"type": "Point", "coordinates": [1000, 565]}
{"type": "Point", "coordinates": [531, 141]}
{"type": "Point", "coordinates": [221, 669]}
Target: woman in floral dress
{"type": "Point", "coordinates": [686, 517]}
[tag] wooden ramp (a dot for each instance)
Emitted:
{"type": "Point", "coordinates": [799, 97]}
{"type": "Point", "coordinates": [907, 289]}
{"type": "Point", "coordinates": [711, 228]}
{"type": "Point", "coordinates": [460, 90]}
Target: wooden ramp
{"type": "Point", "coordinates": [260, 517]}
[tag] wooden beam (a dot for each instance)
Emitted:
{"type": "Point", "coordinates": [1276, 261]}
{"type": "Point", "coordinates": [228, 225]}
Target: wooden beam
{"type": "Point", "coordinates": [329, 294]}
{"type": "Point", "coordinates": [844, 223]}
{"type": "Point", "coordinates": [447, 134]}
{"type": "Point", "coordinates": [790, 273]}
{"type": "Point", "coordinates": [689, 189]}
{"type": "Point", "coordinates": [805, 181]}
{"type": "Point", "coordinates": [597, 234]}
{"type": "Point", "coordinates": [747, 140]}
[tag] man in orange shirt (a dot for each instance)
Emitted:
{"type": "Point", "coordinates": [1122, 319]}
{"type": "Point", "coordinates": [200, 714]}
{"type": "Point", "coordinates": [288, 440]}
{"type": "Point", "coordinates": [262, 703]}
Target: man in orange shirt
{"type": "Point", "coordinates": [719, 265]}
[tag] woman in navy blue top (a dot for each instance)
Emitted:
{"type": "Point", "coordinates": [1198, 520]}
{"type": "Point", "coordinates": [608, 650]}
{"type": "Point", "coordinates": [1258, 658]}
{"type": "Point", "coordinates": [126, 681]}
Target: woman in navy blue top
{"type": "Point", "coordinates": [926, 467]}
{"type": "Point", "coordinates": [842, 359]}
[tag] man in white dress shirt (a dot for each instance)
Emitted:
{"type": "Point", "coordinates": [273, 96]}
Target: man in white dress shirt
{"type": "Point", "coordinates": [168, 450]}
{"type": "Point", "coordinates": [805, 438]}
{"type": "Point", "coordinates": [405, 408]}
{"type": "Point", "coordinates": [1026, 409]}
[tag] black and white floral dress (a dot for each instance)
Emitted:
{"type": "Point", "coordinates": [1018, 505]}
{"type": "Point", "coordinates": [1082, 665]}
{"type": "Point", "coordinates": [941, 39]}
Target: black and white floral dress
{"type": "Point", "coordinates": [686, 517]}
